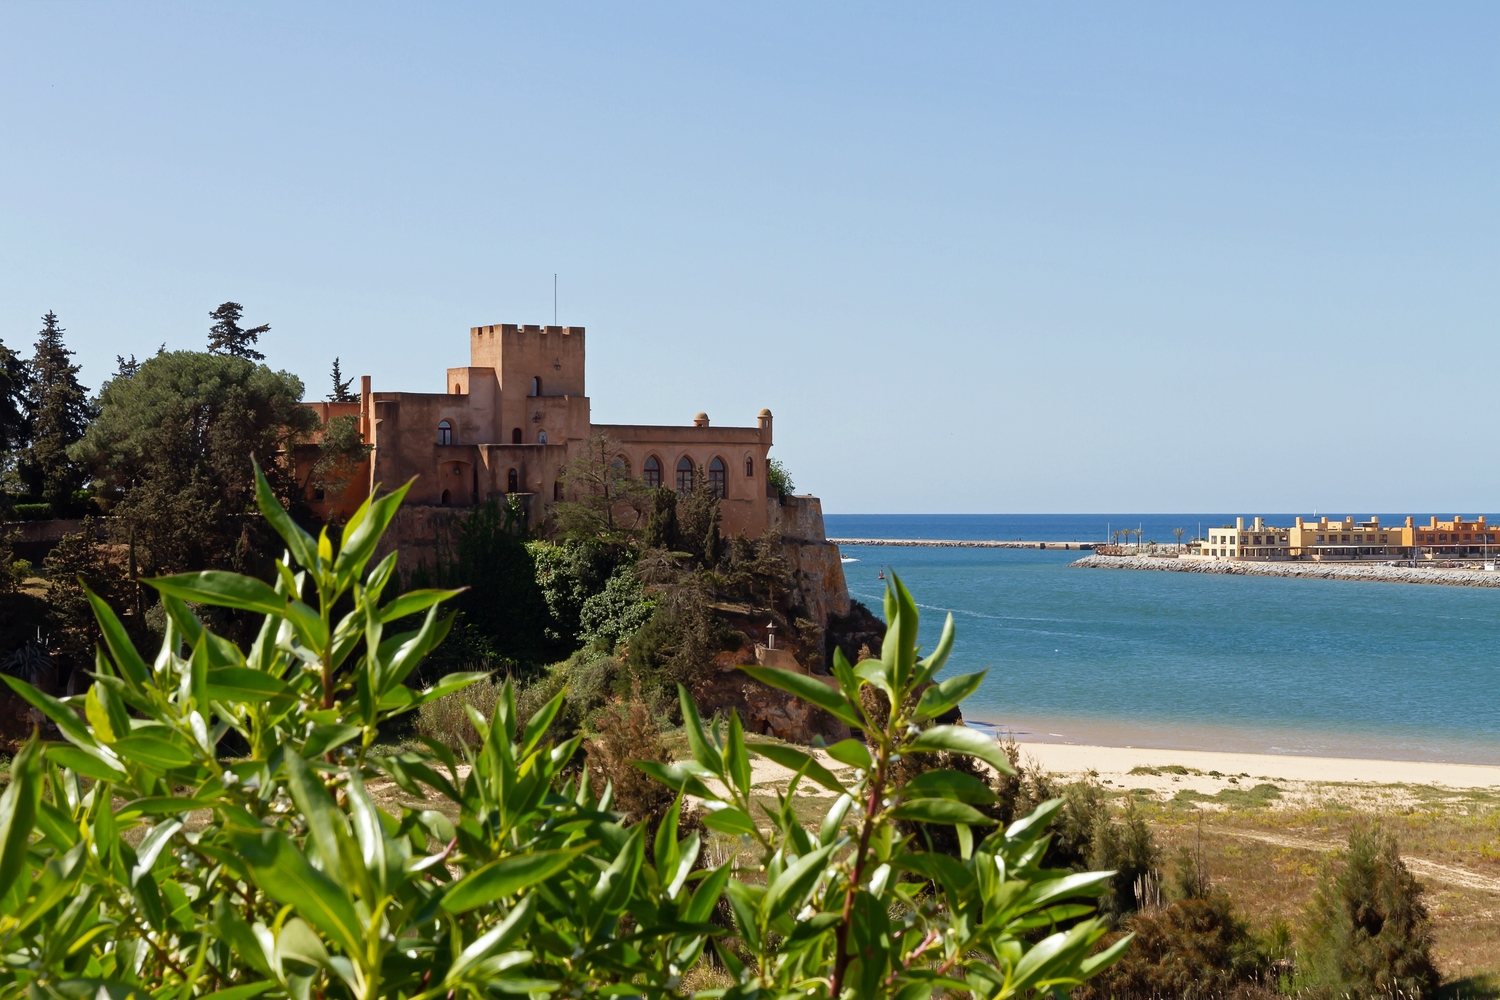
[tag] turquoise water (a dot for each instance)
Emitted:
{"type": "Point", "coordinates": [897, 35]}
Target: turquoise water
{"type": "Point", "coordinates": [1192, 661]}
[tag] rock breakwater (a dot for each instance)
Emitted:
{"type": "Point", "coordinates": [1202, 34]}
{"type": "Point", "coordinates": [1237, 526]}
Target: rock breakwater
{"type": "Point", "coordinates": [1324, 571]}
{"type": "Point", "coordinates": [960, 543]}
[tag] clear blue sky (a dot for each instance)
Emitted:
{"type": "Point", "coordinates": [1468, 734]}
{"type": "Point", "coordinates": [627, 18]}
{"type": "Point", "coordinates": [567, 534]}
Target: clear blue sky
{"type": "Point", "coordinates": [984, 259]}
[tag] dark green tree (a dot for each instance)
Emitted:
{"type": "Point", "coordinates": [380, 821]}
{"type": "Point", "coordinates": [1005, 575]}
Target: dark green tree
{"type": "Point", "coordinates": [342, 387]}
{"type": "Point", "coordinates": [58, 411]}
{"type": "Point", "coordinates": [226, 337]}
{"type": "Point", "coordinates": [126, 369]}
{"type": "Point", "coordinates": [15, 430]}
{"type": "Point", "coordinates": [1369, 934]}
{"type": "Point", "coordinates": [172, 448]}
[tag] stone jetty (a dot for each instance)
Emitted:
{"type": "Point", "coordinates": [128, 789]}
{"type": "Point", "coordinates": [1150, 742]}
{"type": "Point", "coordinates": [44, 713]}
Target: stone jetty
{"type": "Point", "coordinates": [955, 543]}
{"type": "Point", "coordinates": [1377, 573]}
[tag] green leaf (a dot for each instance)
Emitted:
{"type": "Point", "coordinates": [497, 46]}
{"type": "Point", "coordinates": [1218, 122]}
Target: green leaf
{"type": "Point", "coordinates": [89, 763]}
{"type": "Point", "coordinates": [1104, 959]}
{"type": "Point", "coordinates": [940, 811]}
{"type": "Point", "coordinates": [286, 876]}
{"type": "Point", "coordinates": [162, 805]}
{"type": "Point", "coordinates": [18, 811]}
{"type": "Point", "coordinates": [707, 895]}
{"type": "Point", "coordinates": [945, 784]}
{"type": "Point", "coordinates": [852, 752]}
{"type": "Point", "coordinates": [362, 533]}
{"type": "Point", "coordinates": [506, 877]}
{"type": "Point", "coordinates": [446, 685]}
{"type": "Point", "coordinates": [244, 684]}
{"type": "Point", "coordinates": [928, 668]}
{"type": "Point", "coordinates": [961, 739]}
{"type": "Point", "coordinates": [309, 625]}
{"type": "Point", "coordinates": [536, 727]}
{"type": "Point", "coordinates": [676, 777]}
{"type": "Point", "coordinates": [692, 727]}
{"type": "Point", "coordinates": [318, 810]}
{"type": "Point", "coordinates": [301, 544]}
{"type": "Point", "coordinates": [66, 719]}
{"type": "Point", "coordinates": [809, 689]}
{"type": "Point", "coordinates": [944, 695]}
{"type": "Point", "coordinates": [736, 759]}
{"type": "Point", "coordinates": [118, 640]}
{"type": "Point", "coordinates": [729, 820]}
{"type": "Point", "coordinates": [225, 590]}
{"type": "Point", "coordinates": [153, 752]}
{"type": "Point", "coordinates": [325, 737]}
{"type": "Point", "coordinates": [788, 889]}
{"type": "Point", "coordinates": [244, 992]}
{"type": "Point", "coordinates": [795, 760]}
{"type": "Point", "coordinates": [414, 601]}
{"type": "Point", "coordinates": [496, 939]}
{"type": "Point", "coordinates": [664, 850]}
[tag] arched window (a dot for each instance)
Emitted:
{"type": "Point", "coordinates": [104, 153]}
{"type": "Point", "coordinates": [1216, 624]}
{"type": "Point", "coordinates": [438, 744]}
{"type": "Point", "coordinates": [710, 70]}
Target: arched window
{"type": "Point", "coordinates": [620, 467]}
{"type": "Point", "coordinates": [515, 436]}
{"type": "Point", "coordinates": [651, 471]}
{"type": "Point", "coordinates": [684, 475]}
{"type": "Point", "coordinates": [457, 389]}
{"type": "Point", "coordinates": [749, 468]}
{"type": "Point", "coordinates": [446, 498]}
{"type": "Point", "coordinates": [512, 482]}
{"type": "Point", "coordinates": [445, 432]}
{"type": "Point", "coordinates": [536, 385]}
{"type": "Point", "coordinates": [717, 476]}
{"type": "Point", "coordinates": [557, 489]}
{"type": "Point", "coordinates": [541, 437]}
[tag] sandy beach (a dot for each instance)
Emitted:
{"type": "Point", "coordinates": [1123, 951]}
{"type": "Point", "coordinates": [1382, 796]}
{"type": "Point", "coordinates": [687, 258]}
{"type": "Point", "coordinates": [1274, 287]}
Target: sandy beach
{"type": "Point", "coordinates": [1115, 764]}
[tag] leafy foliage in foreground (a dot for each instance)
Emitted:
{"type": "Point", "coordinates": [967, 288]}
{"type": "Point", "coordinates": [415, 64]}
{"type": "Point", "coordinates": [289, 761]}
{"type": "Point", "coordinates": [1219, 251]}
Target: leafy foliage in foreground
{"type": "Point", "coordinates": [134, 861]}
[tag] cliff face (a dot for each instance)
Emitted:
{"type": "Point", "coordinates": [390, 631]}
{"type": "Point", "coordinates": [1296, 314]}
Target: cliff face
{"type": "Point", "coordinates": [820, 587]}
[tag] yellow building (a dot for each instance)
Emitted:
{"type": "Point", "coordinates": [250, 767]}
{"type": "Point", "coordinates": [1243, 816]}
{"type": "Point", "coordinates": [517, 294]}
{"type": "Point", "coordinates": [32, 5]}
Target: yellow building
{"type": "Point", "coordinates": [1259, 541]}
{"type": "Point", "coordinates": [1349, 539]}
{"type": "Point", "coordinates": [1456, 537]}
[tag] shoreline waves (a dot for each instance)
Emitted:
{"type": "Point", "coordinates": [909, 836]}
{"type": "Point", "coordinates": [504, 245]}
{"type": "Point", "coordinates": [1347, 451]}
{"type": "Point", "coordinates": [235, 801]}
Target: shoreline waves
{"type": "Point", "coordinates": [1317, 571]}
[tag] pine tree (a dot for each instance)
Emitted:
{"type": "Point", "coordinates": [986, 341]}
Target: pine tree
{"type": "Point", "coordinates": [226, 337]}
{"type": "Point", "coordinates": [341, 386]}
{"type": "Point", "coordinates": [59, 411]}
{"type": "Point", "coordinates": [126, 369]}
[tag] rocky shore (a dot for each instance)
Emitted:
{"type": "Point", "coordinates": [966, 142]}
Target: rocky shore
{"type": "Point", "coordinates": [1324, 571]}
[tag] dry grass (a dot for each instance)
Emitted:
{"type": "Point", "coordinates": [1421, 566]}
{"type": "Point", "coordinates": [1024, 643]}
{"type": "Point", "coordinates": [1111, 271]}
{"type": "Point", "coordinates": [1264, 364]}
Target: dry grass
{"type": "Point", "coordinates": [1267, 855]}
{"type": "Point", "coordinates": [446, 721]}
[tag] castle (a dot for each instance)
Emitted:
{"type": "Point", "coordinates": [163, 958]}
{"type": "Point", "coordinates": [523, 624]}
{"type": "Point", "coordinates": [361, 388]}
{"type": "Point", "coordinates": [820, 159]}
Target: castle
{"type": "Point", "coordinates": [511, 421]}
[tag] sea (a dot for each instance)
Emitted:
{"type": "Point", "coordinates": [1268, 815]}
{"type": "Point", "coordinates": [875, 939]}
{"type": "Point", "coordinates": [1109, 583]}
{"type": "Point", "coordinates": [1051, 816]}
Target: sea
{"type": "Point", "coordinates": [1193, 661]}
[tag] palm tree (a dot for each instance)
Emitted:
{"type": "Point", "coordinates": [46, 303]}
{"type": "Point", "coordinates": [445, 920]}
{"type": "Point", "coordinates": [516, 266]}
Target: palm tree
{"type": "Point", "coordinates": [1179, 532]}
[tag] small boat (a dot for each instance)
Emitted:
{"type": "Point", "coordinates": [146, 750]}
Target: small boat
{"type": "Point", "coordinates": [880, 575]}
{"type": "Point", "coordinates": [847, 559]}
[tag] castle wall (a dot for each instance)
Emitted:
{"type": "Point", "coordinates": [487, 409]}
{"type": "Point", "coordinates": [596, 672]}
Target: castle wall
{"type": "Point", "coordinates": [818, 571]}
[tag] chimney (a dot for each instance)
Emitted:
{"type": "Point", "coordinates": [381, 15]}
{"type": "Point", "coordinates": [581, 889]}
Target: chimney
{"type": "Point", "coordinates": [1239, 524]}
{"type": "Point", "coordinates": [1258, 525]}
{"type": "Point", "coordinates": [701, 420]}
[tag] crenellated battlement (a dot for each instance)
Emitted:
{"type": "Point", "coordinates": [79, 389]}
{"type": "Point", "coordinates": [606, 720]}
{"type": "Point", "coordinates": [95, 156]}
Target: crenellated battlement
{"type": "Point", "coordinates": [512, 329]}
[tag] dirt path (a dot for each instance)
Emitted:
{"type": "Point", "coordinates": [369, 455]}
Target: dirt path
{"type": "Point", "coordinates": [1434, 870]}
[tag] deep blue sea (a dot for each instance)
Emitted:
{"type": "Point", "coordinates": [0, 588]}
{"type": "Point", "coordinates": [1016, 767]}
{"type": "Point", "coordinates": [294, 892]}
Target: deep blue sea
{"type": "Point", "coordinates": [1195, 661]}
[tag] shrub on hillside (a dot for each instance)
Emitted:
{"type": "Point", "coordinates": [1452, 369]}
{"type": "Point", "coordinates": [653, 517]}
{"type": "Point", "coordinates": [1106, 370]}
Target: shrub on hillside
{"type": "Point", "coordinates": [628, 733]}
{"type": "Point", "coordinates": [1368, 932]}
{"type": "Point", "coordinates": [1194, 949]}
